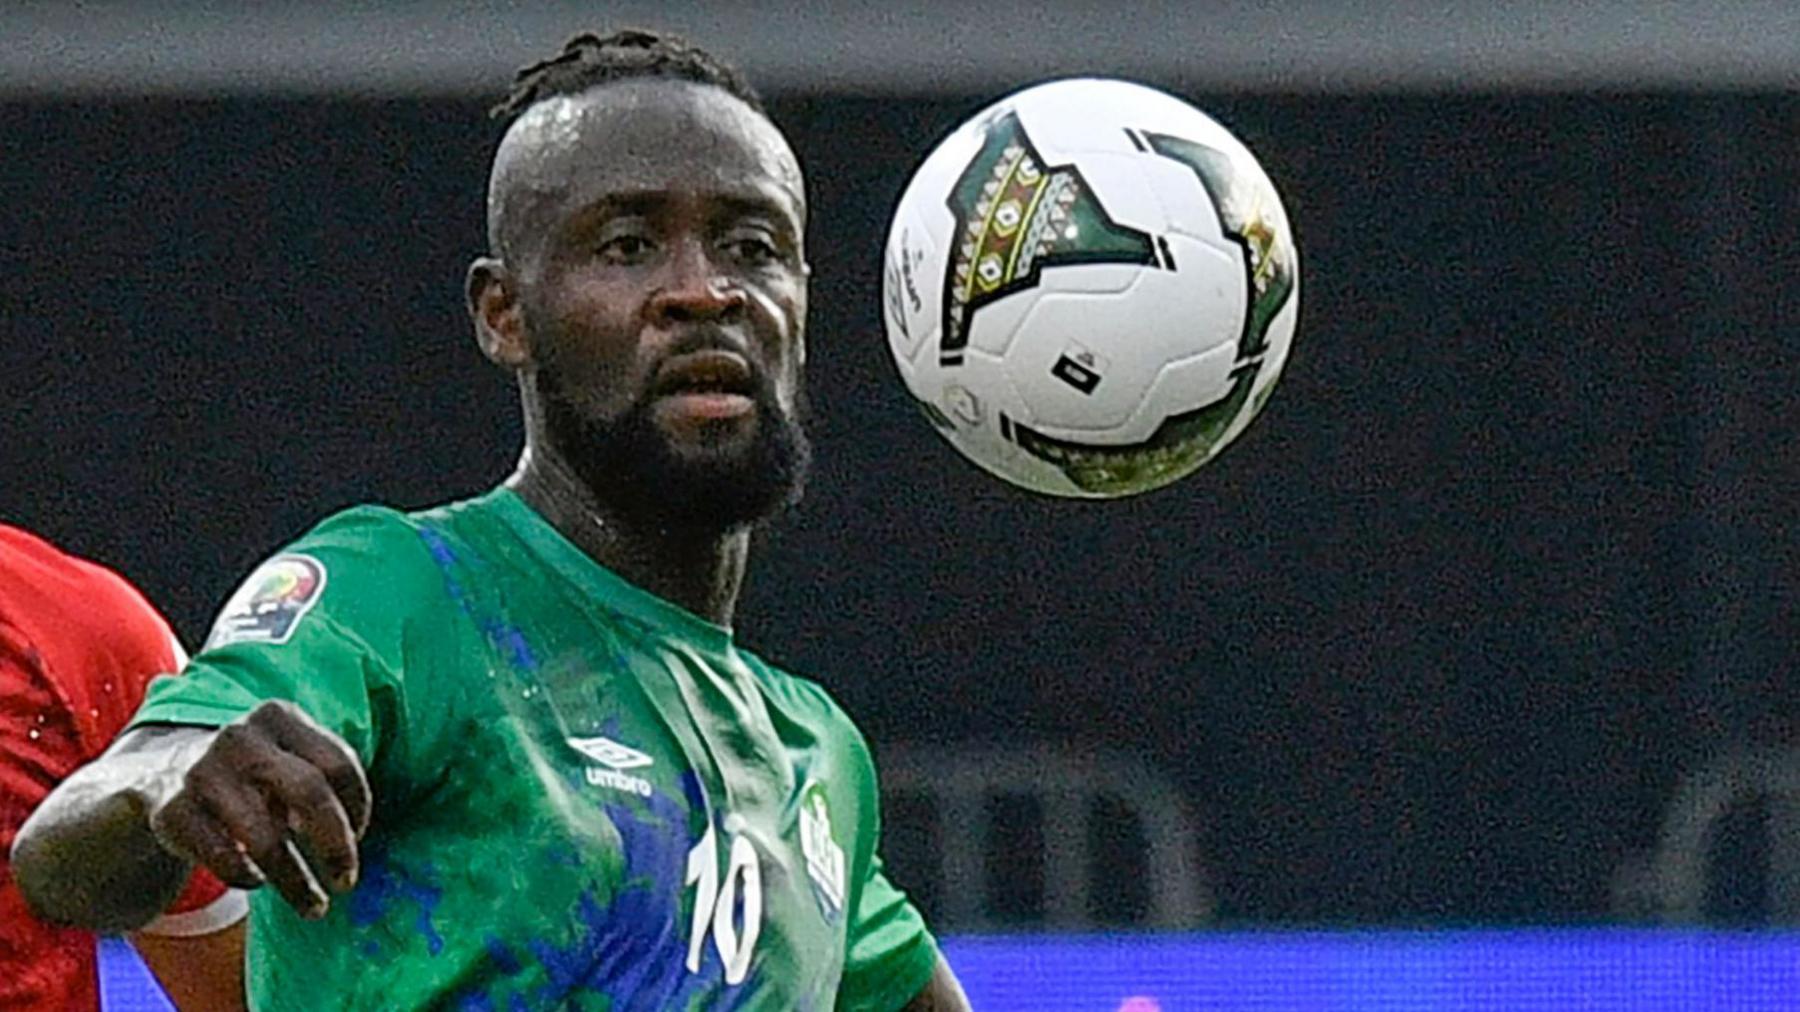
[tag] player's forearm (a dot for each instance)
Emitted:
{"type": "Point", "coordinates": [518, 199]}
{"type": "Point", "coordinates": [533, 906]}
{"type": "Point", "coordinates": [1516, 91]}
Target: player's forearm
{"type": "Point", "coordinates": [87, 855]}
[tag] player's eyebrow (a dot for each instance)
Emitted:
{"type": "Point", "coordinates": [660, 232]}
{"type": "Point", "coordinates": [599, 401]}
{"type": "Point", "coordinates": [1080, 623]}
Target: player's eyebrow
{"type": "Point", "coordinates": [616, 204]}
{"type": "Point", "coordinates": [788, 215]}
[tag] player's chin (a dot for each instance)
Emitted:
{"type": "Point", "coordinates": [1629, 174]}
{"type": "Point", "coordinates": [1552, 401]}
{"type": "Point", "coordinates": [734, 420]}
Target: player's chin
{"type": "Point", "coordinates": [705, 424]}
{"type": "Point", "coordinates": [743, 465]}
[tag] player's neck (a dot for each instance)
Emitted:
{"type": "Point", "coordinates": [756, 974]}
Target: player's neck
{"type": "Point", "coordinates": [701, 571]}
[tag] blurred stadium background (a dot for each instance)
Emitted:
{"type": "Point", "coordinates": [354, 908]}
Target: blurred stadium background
{"type": "Point", "coordinates": [1467, 680]}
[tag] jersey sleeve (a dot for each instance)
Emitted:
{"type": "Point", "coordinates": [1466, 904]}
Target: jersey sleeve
{"type": "Point", "coordinates": [889, 953]}
{"type": "Point", "coordinates": [142, 646]}
{"type": "Point", "coordinates": [41, 965]}
{"type": "Point", "coordinates": [205, 907]}
{"type": "Point", "coordinates": [77, 645]}
{"type": "Point", "coordinates": [323, 625]}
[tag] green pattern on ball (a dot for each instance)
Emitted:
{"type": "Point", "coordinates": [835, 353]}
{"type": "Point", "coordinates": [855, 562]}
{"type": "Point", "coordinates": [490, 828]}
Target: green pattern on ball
{"type": "Point", "coordinates": [1175, 450]}
{"type": "Point", "coordinates": [1184, 442]}
{"type": "Point", "coordinates": [1015, 215]}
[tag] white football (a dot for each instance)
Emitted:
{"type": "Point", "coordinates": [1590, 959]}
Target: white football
{"type": "Point", "coordinates": [1090, 288]}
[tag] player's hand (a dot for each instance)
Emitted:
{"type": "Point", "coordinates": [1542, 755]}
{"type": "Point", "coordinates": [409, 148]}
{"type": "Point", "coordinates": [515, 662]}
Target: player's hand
{"type": "Point", "coordinates": [273, 799]}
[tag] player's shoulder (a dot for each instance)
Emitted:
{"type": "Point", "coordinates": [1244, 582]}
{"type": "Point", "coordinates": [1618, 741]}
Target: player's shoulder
{"type": "Point", "coordinates": [806, 701]}
{"type": "Point", "coordinates": [33, 570]}
{"type": "Point", "coordinates": [78, 634]}
{"type": "Point", "coordinates": [347, 548]}
{"type": "Point", "coordinates": [45, 589]}
{"type": "Point", "coordinates": [366, 557]}
{"type": "Point", "coordinates": [385, 536]}
{"type": "Point", "coordinates": [18, 543]}
{"type": "Point", "coordinates": [361, 527]}
{"type": "Point", "coordinates": [798, 691]}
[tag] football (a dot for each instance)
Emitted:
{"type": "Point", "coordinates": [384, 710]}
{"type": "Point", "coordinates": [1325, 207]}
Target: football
{"type": "Point", "coordinates": [1090, 288]}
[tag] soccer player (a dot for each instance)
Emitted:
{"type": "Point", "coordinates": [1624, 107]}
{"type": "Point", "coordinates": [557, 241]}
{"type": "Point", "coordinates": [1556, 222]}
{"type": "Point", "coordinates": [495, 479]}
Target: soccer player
{"type": "Point", "coordinates": [77, 646]}
{"type": "Point", "coordinates": [514, 735]}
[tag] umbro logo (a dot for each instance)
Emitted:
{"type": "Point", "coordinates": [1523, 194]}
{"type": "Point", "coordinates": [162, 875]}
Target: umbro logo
{"type": "Point", "coordinates": [610, 753]}
{"type": "Point", "coordinates": [614, 760]}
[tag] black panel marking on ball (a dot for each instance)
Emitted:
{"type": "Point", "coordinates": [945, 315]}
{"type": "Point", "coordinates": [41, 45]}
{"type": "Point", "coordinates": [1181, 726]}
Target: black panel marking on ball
{"type": "Point", "coordinates": [1075, 374]}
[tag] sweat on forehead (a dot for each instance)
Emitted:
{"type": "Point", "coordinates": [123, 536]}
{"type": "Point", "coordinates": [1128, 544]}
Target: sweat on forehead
{"type": "Point", "coordinates": [629, 133]}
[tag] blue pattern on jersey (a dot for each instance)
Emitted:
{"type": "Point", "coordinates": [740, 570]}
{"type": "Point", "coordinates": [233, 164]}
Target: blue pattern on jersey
{"type": "Point", "coordinates": [504, 637]}
{"type": "Point", "coordinates": [632, 948]}
{"type": "Point", "coordinates": [382, 885]}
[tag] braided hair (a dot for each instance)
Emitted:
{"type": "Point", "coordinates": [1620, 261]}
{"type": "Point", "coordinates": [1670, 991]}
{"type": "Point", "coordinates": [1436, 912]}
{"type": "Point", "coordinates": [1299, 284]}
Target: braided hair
{"type": "Point", "coordinates": [588, 60]}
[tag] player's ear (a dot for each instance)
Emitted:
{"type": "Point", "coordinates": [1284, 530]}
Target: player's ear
{"type": "Point", "coordinates": [499, 319]}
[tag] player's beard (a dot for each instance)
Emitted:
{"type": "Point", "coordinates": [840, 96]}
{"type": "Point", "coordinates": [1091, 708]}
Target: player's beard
{"type": "Point", "coordinates": [632, 469]}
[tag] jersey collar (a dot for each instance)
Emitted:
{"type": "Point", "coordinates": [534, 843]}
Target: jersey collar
{"type": "Point", "coordinates": [602, 583]}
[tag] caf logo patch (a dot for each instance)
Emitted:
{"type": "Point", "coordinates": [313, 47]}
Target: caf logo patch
{"type": "Point", "coordinates": [270, 604]}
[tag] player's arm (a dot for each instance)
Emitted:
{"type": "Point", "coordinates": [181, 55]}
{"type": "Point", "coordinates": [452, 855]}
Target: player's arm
{"type": "Point", "coordinates": [891, 960]}
{"type": "Point", "coordinates": [269, 798]}
{"type": "Point", "coordinates": [943, 994]}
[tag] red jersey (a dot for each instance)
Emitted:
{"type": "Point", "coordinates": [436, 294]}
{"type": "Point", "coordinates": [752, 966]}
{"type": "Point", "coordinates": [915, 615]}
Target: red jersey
{"type": "Point", "coordinates": [77, 646]}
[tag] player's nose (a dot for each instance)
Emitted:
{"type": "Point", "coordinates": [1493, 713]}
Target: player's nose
{"type": "Point", "coordinates": [694, 289]}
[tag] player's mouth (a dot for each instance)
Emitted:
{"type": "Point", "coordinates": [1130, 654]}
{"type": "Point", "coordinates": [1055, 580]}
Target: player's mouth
{"type": "Point", "coordinates": [704, 386]}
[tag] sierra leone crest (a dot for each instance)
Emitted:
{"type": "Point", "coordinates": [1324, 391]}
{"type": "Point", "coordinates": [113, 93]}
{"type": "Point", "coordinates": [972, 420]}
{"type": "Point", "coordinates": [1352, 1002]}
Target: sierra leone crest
{"type": "Point", "coordinates": [825, 862]}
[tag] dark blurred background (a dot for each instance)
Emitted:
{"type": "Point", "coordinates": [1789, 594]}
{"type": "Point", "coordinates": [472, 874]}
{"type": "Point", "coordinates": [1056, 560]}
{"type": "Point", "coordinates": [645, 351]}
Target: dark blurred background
{"type": "Point", "coordinates": [1509, 554]}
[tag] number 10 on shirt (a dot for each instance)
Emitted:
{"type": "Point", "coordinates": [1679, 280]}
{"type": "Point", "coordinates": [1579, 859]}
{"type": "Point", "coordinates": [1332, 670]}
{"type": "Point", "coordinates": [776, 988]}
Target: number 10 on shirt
{"type": "Point", "coordinates": [716, 903]}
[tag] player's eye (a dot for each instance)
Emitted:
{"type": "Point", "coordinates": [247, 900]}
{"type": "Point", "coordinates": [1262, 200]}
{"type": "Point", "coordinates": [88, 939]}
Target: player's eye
{"type": "Point", "coordinates": [755, 250]}
{"type": "Point", "coordinates": [624, 249]}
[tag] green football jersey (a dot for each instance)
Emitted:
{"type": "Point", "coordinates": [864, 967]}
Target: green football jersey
{"type": "Point", "coordinates": [586, 797]}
